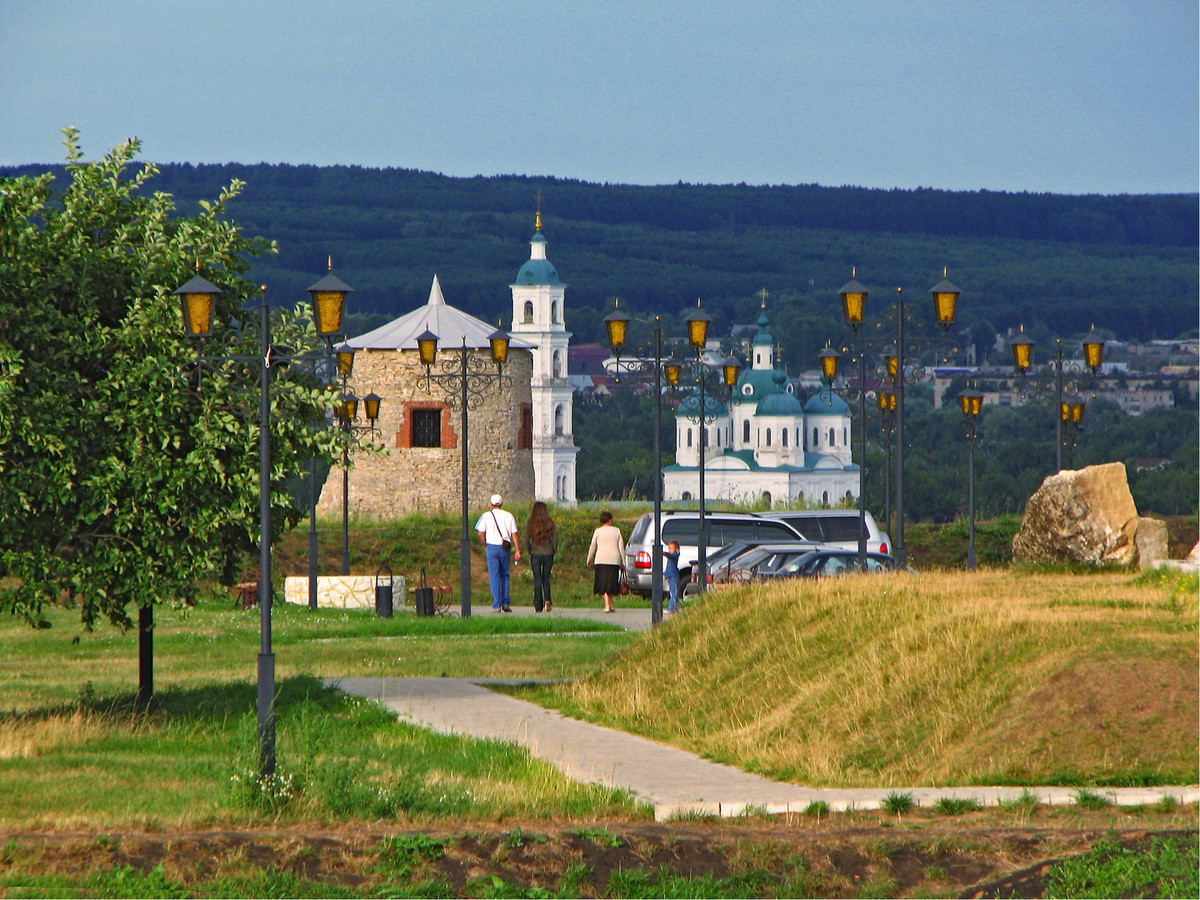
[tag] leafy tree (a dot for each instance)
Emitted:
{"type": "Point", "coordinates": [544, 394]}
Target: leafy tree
{"type": "Point", "coordinates": [615, 435]}
{"type": "Point", "coordinates": [127, 475]}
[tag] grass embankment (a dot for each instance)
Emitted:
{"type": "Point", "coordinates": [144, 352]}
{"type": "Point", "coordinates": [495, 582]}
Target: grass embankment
{"type": "Point", "coordinates": [911, 679]}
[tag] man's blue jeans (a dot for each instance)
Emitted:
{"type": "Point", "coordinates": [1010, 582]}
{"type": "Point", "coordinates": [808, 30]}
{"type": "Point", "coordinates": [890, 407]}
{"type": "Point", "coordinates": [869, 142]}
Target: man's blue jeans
{"type": "Point", "coordinates": [499, 565]}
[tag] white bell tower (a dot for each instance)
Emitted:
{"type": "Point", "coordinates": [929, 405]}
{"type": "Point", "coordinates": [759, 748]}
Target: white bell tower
{"type": "Point", "coordinates": [538, 299]}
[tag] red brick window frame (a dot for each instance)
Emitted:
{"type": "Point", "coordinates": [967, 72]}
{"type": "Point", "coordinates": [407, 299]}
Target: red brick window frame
{"type": "Point", "coordinates": [404, 437]}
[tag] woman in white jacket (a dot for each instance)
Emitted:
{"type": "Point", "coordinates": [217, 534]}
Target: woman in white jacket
{"type": "Point", "coordinates": [607, 555]}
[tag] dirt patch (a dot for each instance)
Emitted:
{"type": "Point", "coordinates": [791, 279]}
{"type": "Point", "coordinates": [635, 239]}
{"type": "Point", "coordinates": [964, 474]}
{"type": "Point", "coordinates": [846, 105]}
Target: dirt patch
{"type": "Point", "coordinates": [984, 854]}
{"type": "Point", "coordinates": [1110, 715]}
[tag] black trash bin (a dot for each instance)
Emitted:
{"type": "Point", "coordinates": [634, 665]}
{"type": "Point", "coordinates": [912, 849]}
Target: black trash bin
{"type": "Point", "coordinates": [383, 592]}
{"type": "Point", "coordinates": [424, 594]}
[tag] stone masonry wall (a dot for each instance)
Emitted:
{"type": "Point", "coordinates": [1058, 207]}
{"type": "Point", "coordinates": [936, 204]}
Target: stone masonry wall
{"type": "Point", "coordinates": [407, 479]}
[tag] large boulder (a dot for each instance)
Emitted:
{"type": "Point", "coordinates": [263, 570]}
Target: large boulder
{"type": "Point", "coordinates": [1085, 515]}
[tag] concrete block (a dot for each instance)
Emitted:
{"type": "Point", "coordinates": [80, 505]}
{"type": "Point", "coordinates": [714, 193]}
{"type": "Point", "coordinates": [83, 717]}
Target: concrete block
{"type": "Point", "coordinates": [343, 591]}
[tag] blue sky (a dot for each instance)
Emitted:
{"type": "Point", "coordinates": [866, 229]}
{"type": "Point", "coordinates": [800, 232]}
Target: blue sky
{"type": "Point", "coordinates": [1067, 96]}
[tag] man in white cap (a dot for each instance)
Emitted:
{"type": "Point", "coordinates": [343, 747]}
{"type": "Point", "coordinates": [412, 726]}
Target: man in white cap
{"type": "Point", "coordinates": [500, 535]}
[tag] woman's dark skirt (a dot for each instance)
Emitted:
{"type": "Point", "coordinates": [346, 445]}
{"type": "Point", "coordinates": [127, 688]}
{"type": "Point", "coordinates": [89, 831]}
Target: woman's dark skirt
{"type": "Point", "coordinates": [607, 580]}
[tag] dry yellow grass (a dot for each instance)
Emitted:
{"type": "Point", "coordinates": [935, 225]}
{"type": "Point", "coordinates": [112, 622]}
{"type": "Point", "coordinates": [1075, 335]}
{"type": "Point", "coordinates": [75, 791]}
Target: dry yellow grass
{"type": "Point", "coordinates": [922, 678]}
{"type": "Point", "coordinates": [23, 737]}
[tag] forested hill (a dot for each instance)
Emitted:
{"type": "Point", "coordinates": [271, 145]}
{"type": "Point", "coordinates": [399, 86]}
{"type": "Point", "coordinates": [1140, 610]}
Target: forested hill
{"type": "Point", "coordinates": [1054, 263]}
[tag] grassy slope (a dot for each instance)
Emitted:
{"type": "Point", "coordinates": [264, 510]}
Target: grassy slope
{"type": "Point", "coordinates": [923, 679]}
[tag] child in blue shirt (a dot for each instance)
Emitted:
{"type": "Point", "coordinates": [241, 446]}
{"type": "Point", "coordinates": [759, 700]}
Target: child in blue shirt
{"type": "Point", "coordinates": [672, 575]}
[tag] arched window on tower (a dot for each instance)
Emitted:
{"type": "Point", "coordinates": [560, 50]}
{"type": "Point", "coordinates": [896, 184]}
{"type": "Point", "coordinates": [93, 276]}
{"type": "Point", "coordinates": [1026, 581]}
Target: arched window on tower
{"type": "Point", "coordinates": [689, 437]}
{"type": "Point", "coordinates": [768, 437]}
{"type": "Point", "coordinates": [558, 364]}
{"type": "Point", "coordinates": [845, 437]}
{"type": "Point", "coordinates": [783, 434]}
{"type": "Point", "coordinates": [832, 438]}
{"type": "Point", "coordinates": [746, 432]}
{"type": "Point", "coordinates": [558, 421]}
{"type": "Point", "coordinates": [814, 443]}
{"type": "Point", "coordinates": [528, 312]}
{"type": "Point", "coordinates": [554, 311]}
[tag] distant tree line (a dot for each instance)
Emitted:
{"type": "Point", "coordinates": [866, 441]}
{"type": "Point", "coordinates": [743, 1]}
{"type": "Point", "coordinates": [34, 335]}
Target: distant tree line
{"type": "Point", "coordinates": [1014, 454]}
{"type": "Point", "coordinates": [1053, 263]}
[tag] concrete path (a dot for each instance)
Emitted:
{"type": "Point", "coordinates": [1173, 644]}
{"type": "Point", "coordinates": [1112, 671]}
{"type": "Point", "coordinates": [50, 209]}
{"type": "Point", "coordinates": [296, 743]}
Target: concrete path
{"type": "Point", "coordinates": [627, 618]}
{"type": "Point", "coordinates": [673, 781]}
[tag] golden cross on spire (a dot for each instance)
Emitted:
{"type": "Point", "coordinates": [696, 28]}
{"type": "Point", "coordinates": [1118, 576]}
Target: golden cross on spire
{"type": "Point", "coordinates": [537, 224]}
{"type": "Point", "coordinates": [763, 295]}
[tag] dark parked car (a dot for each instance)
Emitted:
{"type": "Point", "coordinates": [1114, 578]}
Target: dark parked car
{"type": "Point", "coordinates": [757, 561]}
{"type": "Point", "coordinates": [818, 563]}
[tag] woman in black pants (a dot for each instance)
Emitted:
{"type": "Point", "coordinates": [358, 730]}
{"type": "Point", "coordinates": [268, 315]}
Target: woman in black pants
{"type": "Point", "coordinates": [542, 543]}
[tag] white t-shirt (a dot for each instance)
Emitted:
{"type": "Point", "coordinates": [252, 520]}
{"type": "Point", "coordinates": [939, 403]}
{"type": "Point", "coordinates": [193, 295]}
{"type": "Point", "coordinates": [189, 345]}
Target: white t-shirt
{"type": "Point", "coordinates": [499, 525]}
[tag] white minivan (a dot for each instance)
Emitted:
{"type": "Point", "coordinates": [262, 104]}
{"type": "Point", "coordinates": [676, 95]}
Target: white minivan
{"type": "Point", "coordinates": [684, 527]}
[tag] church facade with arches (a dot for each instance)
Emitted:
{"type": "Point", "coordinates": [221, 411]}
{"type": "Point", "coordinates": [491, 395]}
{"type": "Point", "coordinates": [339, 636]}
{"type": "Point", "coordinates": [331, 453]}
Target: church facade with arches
{"type": "Point", "coordinates": [764, 445]}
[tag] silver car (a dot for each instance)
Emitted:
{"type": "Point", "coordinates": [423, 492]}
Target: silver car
{"type": "Point", "coordinates": [683, 528]}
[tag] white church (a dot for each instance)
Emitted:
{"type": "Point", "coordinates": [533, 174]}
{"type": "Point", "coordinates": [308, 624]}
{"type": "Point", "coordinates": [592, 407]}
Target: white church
{"type": "Point", "coordinates": [764, 445]}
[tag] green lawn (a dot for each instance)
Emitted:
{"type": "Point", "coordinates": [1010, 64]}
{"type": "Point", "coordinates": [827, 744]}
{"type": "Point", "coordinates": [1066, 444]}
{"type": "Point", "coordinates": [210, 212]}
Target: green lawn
{"type": "Point", "coordinates": [74, 750]}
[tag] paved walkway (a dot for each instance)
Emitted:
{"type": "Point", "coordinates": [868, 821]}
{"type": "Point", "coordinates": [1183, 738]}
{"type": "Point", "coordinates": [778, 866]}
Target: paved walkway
{"type": "Point", "coordinates": [673, 781]}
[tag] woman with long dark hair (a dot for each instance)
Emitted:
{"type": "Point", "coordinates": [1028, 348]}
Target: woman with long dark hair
{"type": "Point", "coordinates": [542, 544]}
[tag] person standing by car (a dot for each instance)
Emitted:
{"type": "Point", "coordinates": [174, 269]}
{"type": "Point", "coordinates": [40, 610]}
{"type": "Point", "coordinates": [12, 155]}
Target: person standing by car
{"type": "Point", "coordinates": [500, 536]}
{"type": "Point", "coordinates": [607, 554]}
{"type": "Point", "coordinates": [671, 573]}
{"type": "Point", "coordinates": [542, 543]}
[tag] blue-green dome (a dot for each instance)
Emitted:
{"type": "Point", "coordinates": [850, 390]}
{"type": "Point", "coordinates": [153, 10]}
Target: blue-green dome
{"type": "Point", "coordinates": [754, 384]}
{"type": "Point", "coordinates": [537, 271]}
{"type": "Point", "coordinates": [763, 338]}
{"type": "Point", "coordinates": [779, 405]}
{"type": "Point", "coordinates": [826, 403]}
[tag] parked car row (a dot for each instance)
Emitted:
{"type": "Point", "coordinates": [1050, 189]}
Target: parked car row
{"type": "Point", "coordinates": [777, 539]}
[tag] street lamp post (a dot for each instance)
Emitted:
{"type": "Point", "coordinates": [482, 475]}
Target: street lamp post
{"type": "Point", "coordinates": [1033, 380]}
{"type": "Point", "coordinates": [1070, 418]}
{"type": "Point", "coordinates": [887, 412]}
{"type": "Point", "coordinates": [972, 405]}
{"type": "Point", "coordinates": [347, 414]}
{"type": "Point", "coordinates": [945, 303]}
{"type": "Point", "coordinates": [618, 324]}
{"type": "Point", "coordinates": [198, 299]}
{"type": "Point", "coordinates": [697, 325]}
{"type": "Point", "coordinates": [463, 384]}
